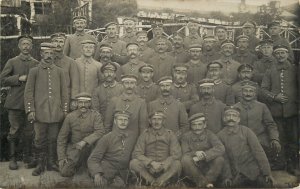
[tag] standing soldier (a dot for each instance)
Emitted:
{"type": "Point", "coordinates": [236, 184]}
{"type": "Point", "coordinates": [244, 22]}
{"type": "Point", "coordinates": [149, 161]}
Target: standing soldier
{"type": "Point", "coordinates": [230, 66]}
{"type": "Point", "coordinates": [179, 52]}
{"type": "Point", "coordinates": [14, 75]}
{"type": "Point", "coordinates": [161, 61]}
{"type": "Point", "coordinates": [182, 90]}
{"type": "Point", "coordinates": [118, 46]}
{"type": "Point", "coordinates": [221, 34]}
{"type": "Point", "coordinates": [158, 31]}
{"type": "Point", "coordinates": [196, 68]}
{"type": "Point", "coordinates": [109, 161]}
{"type": "Point", "coordinates": [279, 86]}
{"type": "Point", "coordinates": [193, 37]}
{"type": "Point", "coordinates": [176, 116]}
{"type": "Point", "coordinates": [243, 55]}
{"type": "Point", "coordinates": [145, 52]}
{"type": "Point", "coordinates": [109, 88]}
{"type": "Point", "coordinates": [202, 150]}
{"type": "Point", "coordinates": [249, 29]}
{"type": "Point", "coordinates": [89, 68]}
{"type": "Point", "coordinates": [208, 105]}
{"type": "Point", "coordinates": [46, 104]}
{"type": "Point", "coordinates": [72, 46]}
{"type": "Point", "coordinates": [156, 156]}
{"type": "Point", "coordinates": [223, 91]}
{"type": "Point", "coordinates": [80, 131]}
{"type": "Point", "coordinates": [130, 30]}
{"type": "Point", "coordinates": [209, 52]}
{"type": "Point", "coordinates": [146, 88]}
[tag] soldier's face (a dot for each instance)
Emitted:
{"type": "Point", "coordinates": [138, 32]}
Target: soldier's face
{"type": "Point", "coordinates": [157, 122]}
{"type": "Point", "coordinates": [249, 30]}
{"type": "Point", "coordinates": [228, 50]}
{"type": "Point", "coordinates": [109, 75]}
{"type": "Point", "coordinates": [142, 39]}
{"type": "Point", "coordinates": [248, 93]}
{"type": "Point", "coordinates": [177, 41]}
{"type": "Point", "coordinates": [246, 75]}
{"type": "Point", "coordinates": [129, 26]}
{"type": "Point", "coordinates": [157, 32]}
{"type": "Point", "coordinates": [165, 88]}
{"type": "Point", "coordinates": [112, 30]}
{"type": "Point", "coordinates": [195, 53]}
{"type": "Point", "coordinates": [132, 51]}
{"type": "Point", "coordinates": [146, 75]}
{"type": "Point", "coordinates": [47, 55]}
{"type": "Point", "coordinates": [221, 34]}
{"type": "Point", "coordinates": [274, 30]}
{"type": "Point", "coordinates": [208, 44]}
{"type": "Point", "coordinates": [180, 76]}
{"type": "Point", "coordinates": [88, 50]}
{"type": "Point", "coordinates": [161, 46]}
{"type": "Point", "coordinates": [80, 25]}
{"type": "Point", "coordinates": [121, 122]}
{"type": "Point", "coordinates": [193, 28]}
{"type": "Point", "coordinates": [59, 42]}
{"type": "Point", "coordinates": [83, 105]}
{"type": "Point", "coordinates": [214, 73]}
{"type": "Point", "coordinates": [231, 118]}
{"type": "Point", "coordinates": [281, 56]}
{"type": "Point", "coordinates": [198, 126]}
{"type": "Point", "coordinates": [129, 86]}
{"type": "Point", "coordinates": [243, 44]}
{"type": "Point", "coordinates": [266, 50]}
{"type": "Point", "coordinates": [206, 91]}
{"type": "Point", "coordinates": [105, 55]}
{"type": "Point", "coordinates": [25, 46]}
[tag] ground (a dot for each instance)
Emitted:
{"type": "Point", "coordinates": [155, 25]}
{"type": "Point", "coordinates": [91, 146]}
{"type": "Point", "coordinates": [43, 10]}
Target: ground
{"type": "Point", "coordinates": [22, 178]}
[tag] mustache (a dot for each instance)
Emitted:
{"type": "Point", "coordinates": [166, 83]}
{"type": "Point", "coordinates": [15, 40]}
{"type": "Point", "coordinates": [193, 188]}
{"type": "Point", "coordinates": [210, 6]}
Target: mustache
{"type": "Point", "coordinates": [230, 120]}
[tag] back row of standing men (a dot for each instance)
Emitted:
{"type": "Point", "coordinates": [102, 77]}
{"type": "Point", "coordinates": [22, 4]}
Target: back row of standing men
{"type": "Point", "coordinates": [194, 75]}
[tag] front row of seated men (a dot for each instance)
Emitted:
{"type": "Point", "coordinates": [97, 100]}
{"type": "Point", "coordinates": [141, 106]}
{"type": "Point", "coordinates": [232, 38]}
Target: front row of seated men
{"type": "Point", "coordinates": [232, 158]}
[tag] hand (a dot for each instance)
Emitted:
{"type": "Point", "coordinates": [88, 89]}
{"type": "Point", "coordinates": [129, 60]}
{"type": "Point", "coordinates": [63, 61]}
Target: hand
{"type": "Point", "coordinates": [269, 179]}
{"type": "Point", "coordinates": [228, 183]}
{"type": "Point", "coordinates": [276, 146]}
{"type": "Point", "coordinates": [23, 78]}
{"type": "Point", "coordinates": [99, 180]}
{"type": "Point", "coordinates": [31, 117]}
{"type": "Point", "coordinates": [201, 155]}
{"type": "Point", "coordinates": [80, 145]}
{"type": "Point", "coordinates": [62, 162]}
{"type": "Point", "coordinates": [281, 98]}
{"type": "Point", "coordinates": [166, 165]}
{"type": "Point", "coordinates": [156, 166]}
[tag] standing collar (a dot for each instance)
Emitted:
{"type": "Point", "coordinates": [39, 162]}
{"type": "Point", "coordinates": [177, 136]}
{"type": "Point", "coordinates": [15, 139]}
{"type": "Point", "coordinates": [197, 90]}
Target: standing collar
{"type": "Point", "coordinates": [232, 130]}
{"type": "Point", "coordinates": [200, 138]}
{"type": "Point", "coordinates": [127, 97]}
{"type": "Point", "coordinates": [110, 85]}
{"type": "Point", "coordinates": [45, 65]}
{"type": "Point", "coordinates": [209, 102]}
{"type": "Point", "coordinates": [283, 66]}
{"type": "Point", "coordinates": [146, 85]}
{"type": "Point", "coordinates": [25, 57]}
{"type": "Point", "coordinates": [159, 132]}
{"type": "Point", "coordinates": [79, 33]}
{"type": "Point", "coordinates": [180, 85]}
{"type": "Point", "coordinates": [167, 100]}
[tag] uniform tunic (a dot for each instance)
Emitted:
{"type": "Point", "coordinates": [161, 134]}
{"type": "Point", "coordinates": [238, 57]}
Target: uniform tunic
{"type": "Point", "coordinates": [181, 55]}
{"type": "Point", "coordinates": [73, 46]}
{"type": "Point", "coordinates": [129, 38]}
{"type": "Point", "coordinates": [196, 72]}
{"type": "Point", "coordinates": [185, 93]}
{"type": "Point", "coordinates": [132, 67]}
{"type": "Point", "coordinates": [89, 74]}
{"type": "Point", "coordinates": [148, 91]}
{"type": "Point", "coordinates": [46, 93]}
{"type": "Point", "coordinates": [245, 57]}
{"type": "Point", "coordinates": [162, 64]}
{"type": "Point", "coordinates": [213, 110]}
{"type": "Point", "coordinates": [209, 56]}
{"type": "Point", "coordinates": [192, 39]}
{"type": "Point", "coordinates": [261, 66]}
{"type": "Point", "coordinates": [253, 43]}
{"type": "Point", "coordinates": [145, 53]}
{"type": "Point", "coordinates": [223, 92]}
{"type": "Point", "coordinates": [229, 70]}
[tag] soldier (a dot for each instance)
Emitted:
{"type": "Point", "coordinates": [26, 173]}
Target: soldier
{"type": "Point", "coordinates": [221, 34]}
{"type": "Point", "coordinates": [230, 66]}
{"type": "Point", "coordinates": [182, 90]}
{"type": "Point", "coordinates": [246, 162]}
{"type": "Point", "coordinates": [202, 150]}
{"type": "Point", "coordinates": [80, 131]}
{"type": "Point", "coordinates": [146, 88]}
{"type": "Point", "coordinates": [179, 52]}
{"type": "Point", "coordinates": [130, 30]}
{"type": "Point", "coordinates": [243, 55]}
{"type": "Point", "coordinates": [209, 52]}
{"type": "Point", "coordinates": [109, 161]}
{"type": "Point", "coordinates": [89, 68]}
{"type": "Point", "coordinates": [118, 46]}
{"type": "Point", "coordinates": [258, 118]}
{"type": "Point", "coordinates": [262, 65]}
{"type": "Point", "coordinates": [223, 91]}
{"type": "Point", "coordinates": [158, 31]}
{"type": "Point", "coordinates": [14, 75]}
{"type": "Point", "coordinates": [176, 116]}
{"type": "Point", "coordinates": [156, 156]}
{"type": "Point", "coordinates": [68, 65]}
{"type": "Point", "coordinates": [161, 61]}
{"type": "Point", "coordinates": [130, 102]}
{"type": "Point", "coordinates": [249, 29]}
{"type": "Point", "coordinates": [279, 86]}
{"type": "Point", "coordinates": [274, 31]}
{"type": "Point", "coordinates": [133, 64]}
{"type": "Point", "coordinates": [208, 105]}
{"type": "Point", "coordinates": [145, 52]}
{"type": "Point", "coordinates": [46, 104]}
{"type": "Point", "coordinates": [109, 88]}
{"type": "Point", "coordinates": [196, 68]}
{"type": "Point", "coordinates": [72, 46]}
{"type": "Point", "coordinates": [193, 37]}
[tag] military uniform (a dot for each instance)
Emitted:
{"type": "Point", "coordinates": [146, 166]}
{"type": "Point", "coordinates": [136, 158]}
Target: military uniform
{"type": "Point", "coordinates": [132, 67]}
{"type": "Point", "coordinates": [229, 71]}
{"type": "Point", "coordinates": [209, 56]}
{"type": "Point", "coordinates": [145, 53]}
{"type": "Point", "coordinates": [78, 127]}
{"type": "Point", "coordinates": [196, 72]}
{"type": "Point", "coordinates": [185, 93]}
{"type": "Point", "coordinates": [181, 55]}
{"type": "Point", "coordinates": [192, 39]}
{"type": "Point", "coordinates": [223, 92]}
{"type": "Point", "coordinates": [244, 57]}
{"type": "Point", "coordinates": [128, 37]}
{"type": "Point", "coordinates": [152, 44]}
{"type": "Point", "coordinates": [261, 66]}
{"type": "Point", "coordinates": [253, 43]}
{"type": "Point", "coordinates": [162, 64]}
{"type": "Point", "coordinates": [148, 91]}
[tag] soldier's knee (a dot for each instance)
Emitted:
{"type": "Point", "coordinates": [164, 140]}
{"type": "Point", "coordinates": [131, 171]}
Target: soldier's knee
{"type": "Point", "coordinates": [219, 160]}
{"type": "Point", "coordinates": [135, 165]}
{"type": "Point", "coordinates": [176, 166]}
{"type": "Point", "coordinates": [187, 161]}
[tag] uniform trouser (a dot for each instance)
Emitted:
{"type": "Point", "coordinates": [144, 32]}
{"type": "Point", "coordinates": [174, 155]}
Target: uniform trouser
{"type": "Point", "coordinates": [202, 172]}
{"type": "Point", "coordinates": [241, 180]}
{"type": "Point", "coordinates": [19, 126]}
{"type": "Point", "coordinates": [45, 135]}
{"type": "Point", "coordinates": [138, 167]}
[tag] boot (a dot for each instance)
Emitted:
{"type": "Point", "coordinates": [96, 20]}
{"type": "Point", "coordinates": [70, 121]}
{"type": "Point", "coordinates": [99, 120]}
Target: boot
{"type": "Point", "coordinates": [51, 164]}
{"type": "Point", "coordinates": [33, 160]}
{"type": "Point", "coordinates": [41, 164]}
{"type": "Point", "coordinates": [13, 163]}
{"type": "Point", "coordinates": [26, 151]}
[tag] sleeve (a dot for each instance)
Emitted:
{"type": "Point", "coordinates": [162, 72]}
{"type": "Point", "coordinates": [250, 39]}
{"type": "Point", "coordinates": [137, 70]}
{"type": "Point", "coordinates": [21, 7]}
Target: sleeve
{"type": "Point", "coordinates": [229, 96]}
{"type": "Point", "coordinates": [185, 147]}
{"type": "Point", "coordinates": [183, 119]}
{"type": "Point", "coordinates": [62, 139]}
{"type": "Point", "coordinates": [67, 47]}
{"type": "Point", "coordinates": [99, 130]}
{"type": "Point", "coordinates": [29, 91]}
{"type": "Point", "coordinates": [140, 149]}
{"type": "Point", "coordinates": [257, 76]}
{"type": "Point", "coordinates": [64, 92]}
{"type": "Point", "coordinates": [217, 149]}
{"type": "Point", "coordinates": [270, 123]}
{"type": "Point", "coordinates": [74, 79]}
{"type": "Point", "coordinates": [95, 100]}
{"type": "Point", "coordinates": [193, 110]}
{"type": "Point", "coordinates": [143, 117]}
{"type": "Point", "coordinates": [97, 52]}
{"type": "Point", "coordinates": [266, 87]}
{"type": "Point", "coordinates": [109, 115]}
{"type": "Point", "coordinates": [6, 78]}
{"type": "Point", "coordinates": [175, 149]}
{"type": "Point", "coordinates": [94, 161]}
{"type": "Point", "coordinates": [193, 98]}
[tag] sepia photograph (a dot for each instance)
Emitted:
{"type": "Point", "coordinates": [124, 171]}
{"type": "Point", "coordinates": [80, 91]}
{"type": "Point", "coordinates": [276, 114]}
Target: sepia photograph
{"type": "Point", "coordinates": [148, 94]}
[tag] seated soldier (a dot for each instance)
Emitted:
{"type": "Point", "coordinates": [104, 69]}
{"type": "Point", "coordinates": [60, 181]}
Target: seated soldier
{"type": "Point", "coordinates": [157, 153]}
{"type": "Point", "coordinates": [202, 161]}
{"type": "Point", "coordinates": [80, 130]}
{"type": "Point", "coordinates": [108, 163]}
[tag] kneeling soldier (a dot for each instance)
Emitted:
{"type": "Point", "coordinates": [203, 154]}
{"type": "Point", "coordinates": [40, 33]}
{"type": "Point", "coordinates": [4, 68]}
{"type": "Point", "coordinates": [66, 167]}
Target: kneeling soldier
{"type": "Point", "coordinates": [203, 153]}
{"type": "Point", "coordinates": [157, 153]}
{"type": "Point", "coordinates": [84, 127]}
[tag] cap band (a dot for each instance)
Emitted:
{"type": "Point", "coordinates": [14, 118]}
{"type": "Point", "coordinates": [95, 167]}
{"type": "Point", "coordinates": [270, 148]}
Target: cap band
{"type": "Point", "coordinates": [166, 81]}
{"type": "Point", "coordinates": [206, 84]}
{"type": "Point", "coordinates": [128, 79]}
{"type": "Point", "coordinates": [198, 119]}
{"type": "Point", "coordinates": [227, 44]}
{"type": "Point", "coordinates": [281, 49]}
{"type": "Point", "coordinates": [84, 98]}
{"type": "Point", "coordinates": [105, 47]}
